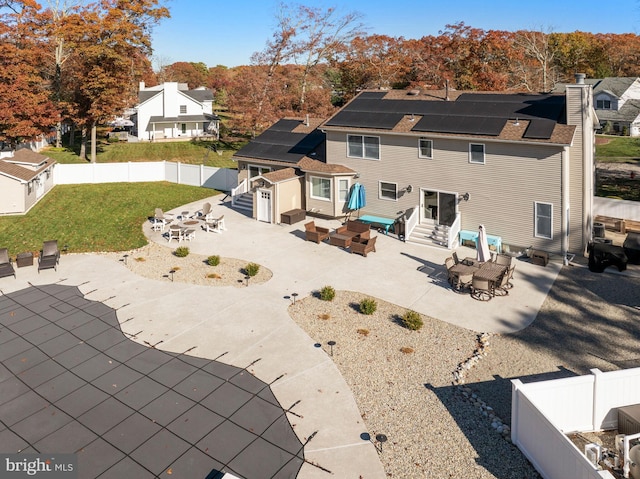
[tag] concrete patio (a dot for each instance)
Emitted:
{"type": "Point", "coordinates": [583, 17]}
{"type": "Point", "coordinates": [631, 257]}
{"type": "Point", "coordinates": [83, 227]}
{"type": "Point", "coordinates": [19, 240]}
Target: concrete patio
{"type": "Point", "coordinates": [249, 327]}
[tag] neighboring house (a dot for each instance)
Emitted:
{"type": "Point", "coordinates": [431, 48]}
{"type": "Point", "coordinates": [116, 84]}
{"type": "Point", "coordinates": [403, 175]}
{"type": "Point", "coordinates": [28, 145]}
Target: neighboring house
{"type": "Point", "coordinates": [24, 179]}
{"type": "Point", "coordinates": [520, 164]}
{"type": "Point", "coordinates": [172, 111]}
{"type": "Point", "coordinates": [617, 104]}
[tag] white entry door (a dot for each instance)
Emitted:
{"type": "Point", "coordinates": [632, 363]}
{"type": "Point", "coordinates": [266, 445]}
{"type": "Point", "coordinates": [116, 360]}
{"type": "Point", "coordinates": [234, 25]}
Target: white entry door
{"type": "Point", "coordinates": [264, 206]}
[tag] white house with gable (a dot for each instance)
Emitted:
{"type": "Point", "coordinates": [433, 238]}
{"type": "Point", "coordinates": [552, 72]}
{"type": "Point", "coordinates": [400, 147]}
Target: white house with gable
{"type": "Point", "coordinates": [172, 111]}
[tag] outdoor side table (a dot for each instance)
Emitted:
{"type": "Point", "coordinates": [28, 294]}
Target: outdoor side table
{"type": "Point", "coordinates": [24, 259]}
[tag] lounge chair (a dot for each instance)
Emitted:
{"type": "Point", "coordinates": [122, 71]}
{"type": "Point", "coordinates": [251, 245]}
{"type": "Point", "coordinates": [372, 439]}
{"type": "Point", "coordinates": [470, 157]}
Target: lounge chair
{"type": "Point", "coordinates": [6, 268]}
{"type": "Point", "coordinates": [216, 225]}
{"type": "Point", "coordinates": [205, 213]}
{"type": "Point", "coordinates": [315, 233]}
{"type": "Point", "coordinates": [49, 255]}
{"type": "Point", "coordinates": [364, 247]}
{"type": "Point", "coordinates": [160, 220]}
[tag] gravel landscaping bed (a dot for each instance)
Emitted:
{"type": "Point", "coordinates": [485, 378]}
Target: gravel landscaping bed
{"type": "Point", "coordinates": [402, 381]}
{"type": "Point", "coordinates": [155, 262]}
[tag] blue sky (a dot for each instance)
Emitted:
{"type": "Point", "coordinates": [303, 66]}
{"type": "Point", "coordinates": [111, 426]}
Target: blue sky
{"type": "Point", "coordinates": [227, 32]}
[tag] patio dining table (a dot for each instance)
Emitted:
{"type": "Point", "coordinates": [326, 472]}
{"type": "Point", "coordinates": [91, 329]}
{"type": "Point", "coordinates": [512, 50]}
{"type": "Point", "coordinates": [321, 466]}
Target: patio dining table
{"type": "Point", "coordinates": [491, 272]}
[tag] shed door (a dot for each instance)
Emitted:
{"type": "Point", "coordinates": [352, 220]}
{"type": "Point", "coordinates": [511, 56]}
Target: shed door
{"type": "Point", "coordinates": [264, 206]}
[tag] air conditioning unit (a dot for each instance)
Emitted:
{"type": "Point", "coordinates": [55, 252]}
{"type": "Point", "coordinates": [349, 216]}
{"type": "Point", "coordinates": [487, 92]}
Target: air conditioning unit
{"type": "Point", "coordinates": [629, 419]}
{"type": "Point", "coordinates": [593, 453]}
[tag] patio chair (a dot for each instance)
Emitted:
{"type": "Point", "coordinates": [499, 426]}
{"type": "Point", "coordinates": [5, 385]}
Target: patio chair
{"type": "Point", "coordinates": [503, 259]}
{"type": "Point", "coordinates": [160, 220]}
{"type": "Point", "coordinates": [315, 233]}
{"type": "Point", "coordinates": [175, 233]}
{"type": "Point", "coordinates": [216, 225]}
{"type": "Point", "coordinates": [502, 288]}
{"type": "Point", "coordinates": [205, 213]}
{"type": "Point", "coordinates": [365, 247]}
{"type": "Point", "coordinates": [49, 255]}
{"type": "Point", "coordinates": [454, 255]}
{"type": "Point", "coordinates": [449, 263]}
{"type": "Point", "coordinates": [6, 268]}
{"type": "Point", "coordinates": [509, 275]}
{"type": "Point", "coordinates": [481, 289]}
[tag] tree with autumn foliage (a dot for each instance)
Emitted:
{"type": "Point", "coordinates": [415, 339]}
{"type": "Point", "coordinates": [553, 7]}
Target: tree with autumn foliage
{"type": "Point", "coordinates": [25, 109]}
{"type": "Point", "coordinates": [193, 74]}
{"type": "Point", "coordinates": [287, 77]}
{"type": "Point", "coordinates": [86, 59]}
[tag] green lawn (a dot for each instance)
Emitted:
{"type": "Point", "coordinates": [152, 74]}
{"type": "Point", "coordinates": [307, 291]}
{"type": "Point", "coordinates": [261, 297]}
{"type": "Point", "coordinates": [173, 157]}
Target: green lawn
{"type": "Point", "coordinates": [199, 153]}
{"type": "Point", "coordinates": [102, 217]}
{"type": "Point", "coordinates": [618, 149]}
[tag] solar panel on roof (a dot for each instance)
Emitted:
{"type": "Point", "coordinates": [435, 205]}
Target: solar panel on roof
{"type": "Point", "coordinates": [539, 129]}
{"type": "Point", "coordinates": [372, 94]}
{"type": "Point", "coordinates": [359, 119]}
{"type": "Point", "coordinates": [460, 124]}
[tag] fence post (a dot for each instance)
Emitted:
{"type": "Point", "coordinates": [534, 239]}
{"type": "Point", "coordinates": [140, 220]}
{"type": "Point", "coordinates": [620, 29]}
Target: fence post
{"type": "Point", "coordinates": [516, 384]}
{"type": "Point", "coordinates": [597, 375]}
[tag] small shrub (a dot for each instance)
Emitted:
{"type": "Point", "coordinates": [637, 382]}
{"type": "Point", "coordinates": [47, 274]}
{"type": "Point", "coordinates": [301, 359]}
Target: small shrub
{"type": "Point", "coordinates": [412, 320]}
{"type": "Point", "coordinates": [181, 251]}
{"type": "Point", "coordinates": [324, 316]}
{"type": "Point", "coordinates": [252, 269]}
{"type": "Point", "coordinates": [213, 260]}
{"type": "Point", "coordinates": [214, 276]}
{"type": "Point", "coordinates": [141, 259]}
{"type": "Point", "coordinates": [175, 268]}
{"type": "Point", "coordinates": [406, 350]}
{"type": "Point", "coordinates": [327, 293]}
{"type": "Point", "coordinates": [368, 306]}
{"type": "Point", "coordinates": [363, 332]}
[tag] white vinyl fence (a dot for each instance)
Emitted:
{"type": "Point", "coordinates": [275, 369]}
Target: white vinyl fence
{"type": "Point", "coordinates": [222, 179]}
{"type": "Point", "coordinates": [543, 412]}
{"type": "Point", "coordinates": [623, 209]}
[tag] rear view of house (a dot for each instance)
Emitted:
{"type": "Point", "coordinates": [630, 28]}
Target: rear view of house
{"type": "Point", "coordinates": [442, 163]}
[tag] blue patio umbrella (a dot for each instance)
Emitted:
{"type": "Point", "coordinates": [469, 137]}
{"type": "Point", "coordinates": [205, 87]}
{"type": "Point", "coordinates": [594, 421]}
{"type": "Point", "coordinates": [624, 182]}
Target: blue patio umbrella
{"type": "Point", "coordinates": [357, 199]}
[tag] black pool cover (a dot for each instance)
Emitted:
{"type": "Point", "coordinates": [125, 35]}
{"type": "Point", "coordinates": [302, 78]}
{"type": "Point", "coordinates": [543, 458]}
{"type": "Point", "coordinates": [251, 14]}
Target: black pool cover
{"type": "Point", "coordinates": [72, 382]}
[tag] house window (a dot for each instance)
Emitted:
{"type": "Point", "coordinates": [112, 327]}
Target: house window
{"type": "Point", "coordinates": [476, 153]}
{"type": "Point", "coordinates": [388, 191]}
{"type": "Point", "coordinates": [359, 146]}
{"type": "Point", "coordinates": [343, 189]}
{"type": "Point", "coordinates": [426, 148]}
{"type": "Point", "coordinates": [183, 128]}
{"type": "Point", "coordinates": [320, 188]}
{"type": "Point", "coordinates": [183, 109]}
{"type": "Point", "coordinates": [603, 104]}
{"type": "Point", "coordinates": [544, 220]}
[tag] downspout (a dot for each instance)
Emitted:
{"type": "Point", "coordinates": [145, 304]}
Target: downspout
{"type": "Point", "coordinates": [565, 205]}
{"type": "Point", "coordinates": [588, 172]}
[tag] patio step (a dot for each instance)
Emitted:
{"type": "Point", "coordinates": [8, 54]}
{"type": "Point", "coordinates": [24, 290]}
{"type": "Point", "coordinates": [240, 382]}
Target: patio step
{"type": "Point", "coordinates": [429, 234]}
{"type": "Point", "coordinates": [244, 202]}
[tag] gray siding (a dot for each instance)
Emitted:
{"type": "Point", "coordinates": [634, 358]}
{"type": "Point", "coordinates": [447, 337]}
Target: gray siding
{"type": "Point", "coordinates": [581, 166]}
{"type": "Point", "coordinates": [502, 191]}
